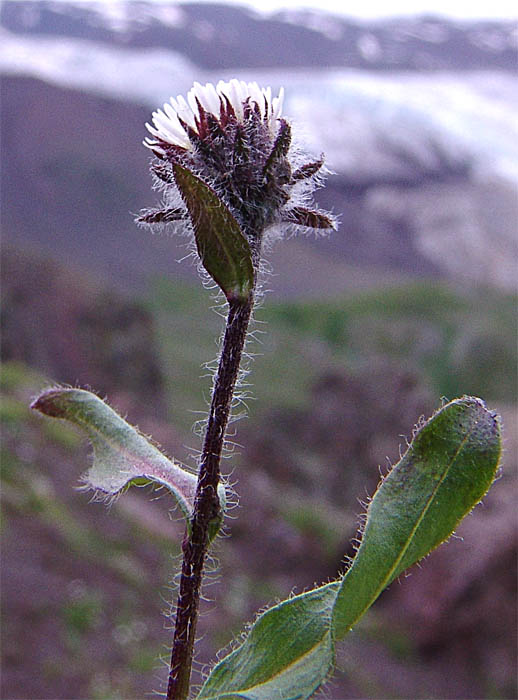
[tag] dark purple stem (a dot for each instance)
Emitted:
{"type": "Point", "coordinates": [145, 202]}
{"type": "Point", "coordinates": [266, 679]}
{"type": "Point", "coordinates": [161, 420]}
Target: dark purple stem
{"type": "Point", "coordinates": [207, 508]}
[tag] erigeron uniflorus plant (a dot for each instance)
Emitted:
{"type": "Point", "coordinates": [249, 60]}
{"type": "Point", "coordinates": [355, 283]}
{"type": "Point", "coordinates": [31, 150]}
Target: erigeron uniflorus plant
{"type": "Point", "coordinates": [230, 176]}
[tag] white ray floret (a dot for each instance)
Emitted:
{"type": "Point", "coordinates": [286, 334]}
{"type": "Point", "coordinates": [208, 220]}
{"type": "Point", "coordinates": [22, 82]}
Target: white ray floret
{"type": "Point", "coordinates": [167, 123]}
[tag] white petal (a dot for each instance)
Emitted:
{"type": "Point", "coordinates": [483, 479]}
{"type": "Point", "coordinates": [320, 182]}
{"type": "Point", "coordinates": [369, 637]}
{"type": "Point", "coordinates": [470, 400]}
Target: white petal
{"type": "Point", "coordinates": [256, 95]}
{"type": "Point", "coordinates": [246, 90]}
{"type": "Point", "coordinates": [241, 93]}
{"type": "Point", "coordinates": [173, 103]}
{"type": "Point", "coordinates": [171, 112]}
{"type": "Point", "coordinates": [212, 98]}
{"type": "Point", "coordinates": [153, 131]}
{"type": "Point", "coordinates": [267, 100]}
{"type": "Point", "coordinates": [191, 99]}
{"type": "Point", "coordinates": [231, 91]}
{"type": "Point", "coordinates": [166, 130]}
{"type": "Point", "coordinates": [277, 105]}
{"type": "Point", "coordinates": [208, 97]}
{"type": "Point", "coordinates": [148, 143]}
{"type": "Point", "coordinates": [174, 124]}
{"type": "Point", "coordinates": [185, 112]}
{"type": "Point", "coordinates": [163, 123]}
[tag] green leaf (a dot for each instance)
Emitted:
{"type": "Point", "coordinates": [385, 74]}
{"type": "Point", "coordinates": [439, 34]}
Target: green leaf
{"type": "Point", "coordinates": [288, 653]}
{"type": "Point", "coordinates": [446, 470]}
{"type": "Point", "coordinates": [444, 473]}
{"type": "Point", "coordinates": [223, 248]}
{"type": "Point", "coordinates": [121, 454]}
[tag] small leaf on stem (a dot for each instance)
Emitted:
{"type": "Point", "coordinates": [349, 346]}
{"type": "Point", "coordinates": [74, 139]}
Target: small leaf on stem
{"type": "Point", "coordinates": [122, 455]}
{"type": "Point", "coordinates": [223, 248]}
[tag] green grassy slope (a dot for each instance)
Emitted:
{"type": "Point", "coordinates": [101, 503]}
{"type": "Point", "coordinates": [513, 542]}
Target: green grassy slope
{"type": "Point", "coordinates": [461, 342]}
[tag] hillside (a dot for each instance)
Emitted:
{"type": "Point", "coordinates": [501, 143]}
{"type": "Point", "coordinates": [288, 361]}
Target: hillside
{"type": "Point", "coordinates": [335, 386]}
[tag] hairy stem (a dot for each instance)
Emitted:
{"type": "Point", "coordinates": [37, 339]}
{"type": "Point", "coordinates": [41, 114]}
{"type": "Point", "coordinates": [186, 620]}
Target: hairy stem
{"type": "Point", "coordinates": [206, 505]}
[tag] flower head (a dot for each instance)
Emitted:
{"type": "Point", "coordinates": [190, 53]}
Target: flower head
{"type": "Point", "coordinates": [232, 139]}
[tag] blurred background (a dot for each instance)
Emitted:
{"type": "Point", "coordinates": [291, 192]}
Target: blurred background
{"type": "Point", "coordinates": [358, 335]}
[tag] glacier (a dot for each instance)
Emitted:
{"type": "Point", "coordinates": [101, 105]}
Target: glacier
{"type": "Point", "coordinates": [360, 119]}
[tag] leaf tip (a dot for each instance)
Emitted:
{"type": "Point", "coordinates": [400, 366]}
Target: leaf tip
{"type": "Point", "coordinates": [49, 403]}
{"type": "Point", "coordinates": [484, 424]}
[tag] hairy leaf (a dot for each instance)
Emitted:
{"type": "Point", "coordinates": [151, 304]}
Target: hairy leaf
{"type": "Point", "coordinates": [307, 170]}
{"type": "Point", "coordinates": [161, 216]}
{"type": "Point", "coordinates": [288, 653]}
{"type": "Point", "coordinates": [223, 248]}
{"type": "Point", "coordinates": [446, 470]}
{"type": "Point", "coordinates": [121, 454]}
{"type": "Point", "coordinates": [444, 473]}
{"type": "Point", "coordinates": [306, 217]}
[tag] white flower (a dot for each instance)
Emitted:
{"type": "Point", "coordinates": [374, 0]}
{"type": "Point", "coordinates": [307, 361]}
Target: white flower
{"type": "Point", "coordinates": [167, 123]}
{"type": "Point", "coordinates": [232, 140]}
